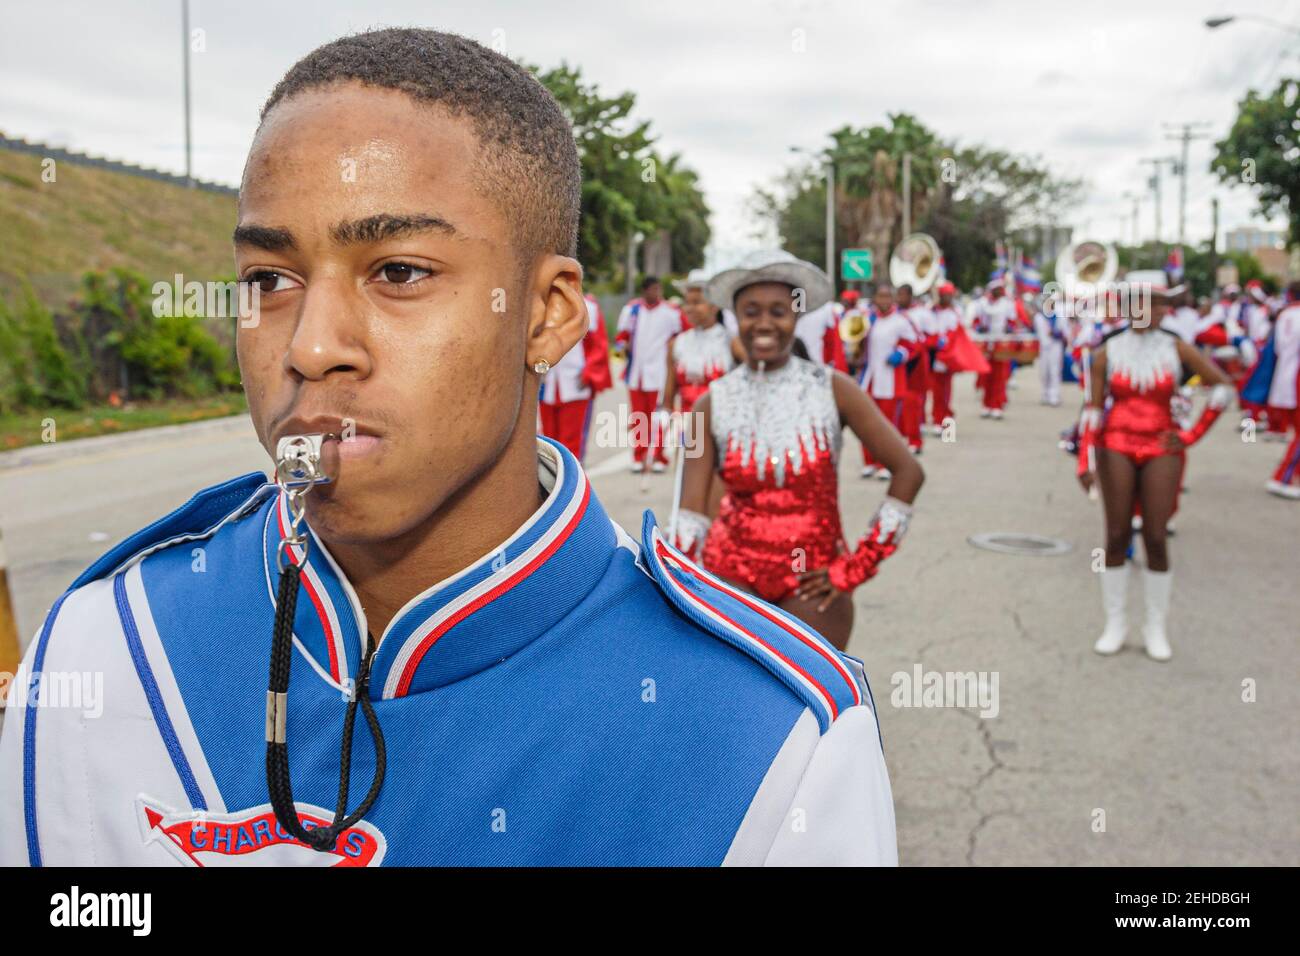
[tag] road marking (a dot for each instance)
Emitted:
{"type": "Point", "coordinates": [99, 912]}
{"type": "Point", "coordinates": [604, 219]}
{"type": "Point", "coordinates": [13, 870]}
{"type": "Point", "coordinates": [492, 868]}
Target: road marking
{"type": "Point", "coordinates": [127, 451]}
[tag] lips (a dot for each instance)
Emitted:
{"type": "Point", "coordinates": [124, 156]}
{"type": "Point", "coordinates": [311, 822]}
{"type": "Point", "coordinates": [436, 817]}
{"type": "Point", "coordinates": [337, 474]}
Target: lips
{"type": "Point", "coordinates": [351, 438]}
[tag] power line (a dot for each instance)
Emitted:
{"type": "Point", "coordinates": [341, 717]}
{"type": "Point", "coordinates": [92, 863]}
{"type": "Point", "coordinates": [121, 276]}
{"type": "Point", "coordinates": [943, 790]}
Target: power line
{"type": "Point", "coordinates": [1189, 132]}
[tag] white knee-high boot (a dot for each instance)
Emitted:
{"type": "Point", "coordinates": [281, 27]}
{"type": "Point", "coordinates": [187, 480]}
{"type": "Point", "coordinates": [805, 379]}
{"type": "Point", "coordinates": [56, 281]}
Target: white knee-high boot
{"type": "Point", "coordinates": [1114, 591]}
{"type": "Point", "coordinates": [1157, 585]}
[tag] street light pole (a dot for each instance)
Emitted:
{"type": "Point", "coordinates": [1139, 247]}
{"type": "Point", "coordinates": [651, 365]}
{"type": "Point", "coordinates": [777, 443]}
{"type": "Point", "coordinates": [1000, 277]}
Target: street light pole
{"type": "Point", "coordinates": [830, 207]}
{"type": "Point", "coordinates": [830, 218]}
{"type": "Point", "coordinates": [1213, 23]}
{"type": "Point", "coordinates": [185, 54]}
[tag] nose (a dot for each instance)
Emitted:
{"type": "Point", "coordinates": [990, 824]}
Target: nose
{"type": "Point", "coordinates": [330, 337]}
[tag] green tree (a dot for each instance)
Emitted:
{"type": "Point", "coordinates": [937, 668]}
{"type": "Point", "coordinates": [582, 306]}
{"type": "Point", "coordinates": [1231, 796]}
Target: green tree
{"type": "Point", "coordinates": [1263, 150]}
{"type": "Point", "coordinates": [869, 180]}
{"type": "Point", "coordinates": [138, 352]}
{"type": "Point", "coordinates": [967, 198]}
{"type": "Point", "coordinates": [627, 187]}
{"type": "Point", "coordinates": [37, 370]}
{"type": "Point", "coordinates": [795, 204]}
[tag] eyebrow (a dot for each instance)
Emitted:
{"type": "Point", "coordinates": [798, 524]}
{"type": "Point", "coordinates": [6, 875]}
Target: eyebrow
{"type": "Point", "coordinates": [270, 238]}
{"type": "Point", "coordinates": [388, 226]}
{"type": "Point", "coordinates": [349, 232]}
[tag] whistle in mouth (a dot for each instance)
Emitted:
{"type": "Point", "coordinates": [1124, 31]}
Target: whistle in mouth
{"type": "Point", "coordinates": [300, 461]}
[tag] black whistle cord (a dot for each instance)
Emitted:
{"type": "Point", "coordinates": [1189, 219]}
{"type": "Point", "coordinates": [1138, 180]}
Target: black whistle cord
{"type": "Point", "coordinates": [277, 751]}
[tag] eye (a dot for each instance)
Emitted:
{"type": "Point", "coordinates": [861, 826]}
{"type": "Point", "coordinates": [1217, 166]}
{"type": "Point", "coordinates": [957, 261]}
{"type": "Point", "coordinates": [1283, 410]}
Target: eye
{"type": "Point", "coordinates": [268, 281]}
{"type": "Point", "coordinates": [402, 273]}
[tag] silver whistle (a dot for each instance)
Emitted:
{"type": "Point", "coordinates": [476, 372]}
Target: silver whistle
{"type": "Point", "coordinates": [298, 461]}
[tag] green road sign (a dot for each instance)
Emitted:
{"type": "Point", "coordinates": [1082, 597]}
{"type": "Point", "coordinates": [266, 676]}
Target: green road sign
{"type": "Point", "coordinates": [855, 264]}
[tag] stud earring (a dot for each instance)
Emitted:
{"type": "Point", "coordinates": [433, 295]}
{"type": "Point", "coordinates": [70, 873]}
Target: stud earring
{"type": "Point", "coordinates": [541, 366]}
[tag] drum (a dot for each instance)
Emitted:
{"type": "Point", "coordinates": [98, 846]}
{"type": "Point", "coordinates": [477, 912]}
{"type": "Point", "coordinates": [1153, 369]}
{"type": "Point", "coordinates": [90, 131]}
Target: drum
{"type": "Point", "coordinates": [1022, 350]}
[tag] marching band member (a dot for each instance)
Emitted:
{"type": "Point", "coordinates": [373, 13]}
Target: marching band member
{"type": "Point", "coordinates": [569, 389]}
{"type": "Point", "coordinates": [918, 365]}
{"type": "Point", "coordinates": [454, 571]}
{"type": "Point", "coordinates": [889, 343]}
{"type": "Point", "coordinates": [947, 318]}
{"type": "Point", "coordinates": [1136, 451]}
{"type": "Point", "coordinates": [1183, 320]}
{"type": "Point", "coordinates": [697, 356]}
{"type": "Point", "coordinates": [772, 429]}
{"type": "Point", "coordinates": [997, 319]}
{"type": "Point", "coordinates": [1256, 325]}
{"type": "Point", "coordinates": [852, 307]}
{"type": "Point", "coordinates": [645, 327]}
{"type": "Point", "coordinates": [1052, 332]}
{"type": "Point", "coordinates": [693, 292]}
{"type": "Point", "coordinates": [1282, 392]}
{"type": "Point", "coordinates": [819, 331]}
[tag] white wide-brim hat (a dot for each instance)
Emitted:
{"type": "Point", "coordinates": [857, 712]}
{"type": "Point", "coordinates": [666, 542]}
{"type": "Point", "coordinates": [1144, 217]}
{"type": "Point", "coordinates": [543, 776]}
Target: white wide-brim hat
{"type": "Point", "coordinates": [1155, 280]}
{"type": "Point", "coordinates": [772, 265]}
{"type": "Point", "coordinates": [696, 279]}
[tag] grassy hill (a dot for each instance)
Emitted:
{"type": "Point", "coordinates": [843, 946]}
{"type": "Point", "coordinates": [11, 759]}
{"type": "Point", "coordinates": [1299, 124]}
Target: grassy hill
{"type": "Point", "coordinates": [51, 233]}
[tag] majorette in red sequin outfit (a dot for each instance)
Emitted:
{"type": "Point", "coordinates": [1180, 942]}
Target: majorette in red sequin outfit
{"type": "Point", "coordinates": [1142, 372]}
{"type": "Point", "coordinates": [778, 439]}
{"type": "Point", "coordinates": [700, 356]}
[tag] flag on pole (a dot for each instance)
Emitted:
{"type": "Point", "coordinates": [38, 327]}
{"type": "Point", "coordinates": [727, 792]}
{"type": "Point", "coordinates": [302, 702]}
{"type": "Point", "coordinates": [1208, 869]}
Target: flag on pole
{"type": "Point", "coordinates": [1174, 264]}
{"type": "Point", "coordinates": [1028, 277]}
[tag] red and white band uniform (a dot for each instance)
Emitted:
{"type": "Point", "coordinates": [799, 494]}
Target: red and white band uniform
{"type": "Point", "coordinates": [1212, 329]}
{"type": "Point", "coordinates": [1052, 331]}
{"type": "Point", "coordinates": [1282, 397]}
{"type": "Point", "coordinates": [1184, 322]}
{"type": "Point", "coordinates": [997, 318]}
{"type": "Point", "coordinates": [918, 373]}
{"type": "Point", "coordinates": [890, 342]}
{"type": "Point", "coordinates": [819, 331]}
{"type": "Point", "coordinates": [569, 389]}
{"type": "Point", "coordinates": [644, 332]}
{"type": "Point", "coordinates": [699, 357]}
{"type": "Point", "coordinates": [946, 320]}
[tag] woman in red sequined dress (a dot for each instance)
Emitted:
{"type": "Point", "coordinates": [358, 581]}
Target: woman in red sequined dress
{"type": "Point", "coordinates": [696, 357]}
{"type": "Point", "coordinates": [1134, 449]}
{"type": "Point", "coordinates": [771, 429]}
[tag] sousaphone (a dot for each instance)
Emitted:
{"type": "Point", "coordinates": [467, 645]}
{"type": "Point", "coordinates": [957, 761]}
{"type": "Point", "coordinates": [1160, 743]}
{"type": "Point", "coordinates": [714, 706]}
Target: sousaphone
{"type": "Point", "coordinates": [915, 262]}
{"type": "Point", "coordinates": [1087, 267]}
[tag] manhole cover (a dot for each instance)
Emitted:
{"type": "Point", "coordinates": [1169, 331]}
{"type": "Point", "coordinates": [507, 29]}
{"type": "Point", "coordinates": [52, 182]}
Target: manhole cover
{"type": "Point", "coordinates": [1009, 542]}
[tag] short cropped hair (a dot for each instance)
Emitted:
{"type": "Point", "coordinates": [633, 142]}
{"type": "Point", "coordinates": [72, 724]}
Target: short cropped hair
{"type": "Point", "coordinates": [529, 161]}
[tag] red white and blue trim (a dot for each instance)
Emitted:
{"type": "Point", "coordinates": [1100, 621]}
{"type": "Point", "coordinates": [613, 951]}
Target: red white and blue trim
{"type": "Point", "coordinates": [800, 657]}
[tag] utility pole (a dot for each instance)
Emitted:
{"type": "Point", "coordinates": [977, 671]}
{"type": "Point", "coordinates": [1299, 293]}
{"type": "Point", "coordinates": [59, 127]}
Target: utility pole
{"type": "Point", "coordinates": [185, 54]}
{"type": "Point", "coordinates": [1214, 240]}
{"type": "Point", "coordinates": [1186, 136]}
{"type": "Point", "coordinates": [1134, 220]}
{"type": "Point", "coordinates": [1154, 182]}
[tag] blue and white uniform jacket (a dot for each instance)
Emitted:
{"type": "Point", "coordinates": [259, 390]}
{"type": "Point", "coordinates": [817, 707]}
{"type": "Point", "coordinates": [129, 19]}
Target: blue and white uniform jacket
{"type": "Point", "coordinates": [573, 698]}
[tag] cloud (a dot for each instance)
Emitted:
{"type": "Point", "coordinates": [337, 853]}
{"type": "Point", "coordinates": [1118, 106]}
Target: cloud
{"type": "Point", "coordinates": [729, 84]}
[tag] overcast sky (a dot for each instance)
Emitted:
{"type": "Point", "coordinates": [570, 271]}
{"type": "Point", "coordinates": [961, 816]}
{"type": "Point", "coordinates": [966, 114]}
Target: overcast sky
{"type": "Point", "coordinates": [730, 85]}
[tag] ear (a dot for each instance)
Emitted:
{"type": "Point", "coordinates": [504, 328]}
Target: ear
{"type": "Point", "coordinates": [557, 318]}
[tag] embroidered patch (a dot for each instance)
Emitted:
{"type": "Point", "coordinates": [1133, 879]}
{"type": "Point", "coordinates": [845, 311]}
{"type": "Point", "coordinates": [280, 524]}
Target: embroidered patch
{"type": "Point", "coordinates": [253, 837]}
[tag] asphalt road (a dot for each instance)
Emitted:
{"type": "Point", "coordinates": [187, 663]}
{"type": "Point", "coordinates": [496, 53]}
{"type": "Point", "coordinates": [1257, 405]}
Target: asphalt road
{"type": "Point", "coordinates": [1082, 759]}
